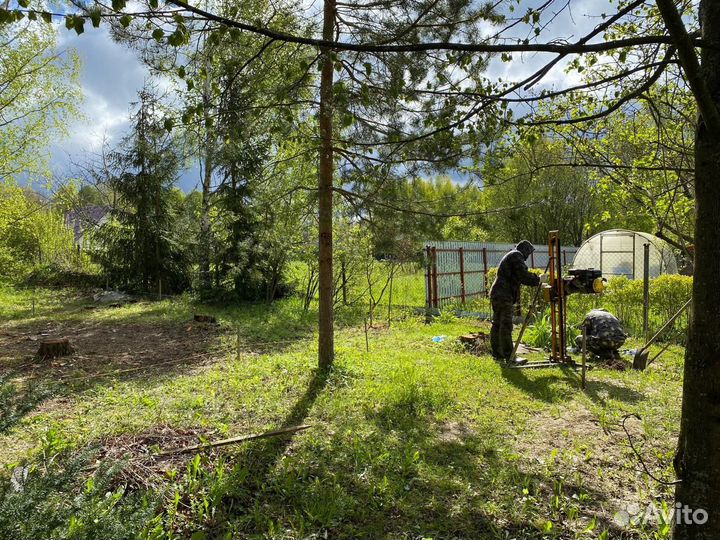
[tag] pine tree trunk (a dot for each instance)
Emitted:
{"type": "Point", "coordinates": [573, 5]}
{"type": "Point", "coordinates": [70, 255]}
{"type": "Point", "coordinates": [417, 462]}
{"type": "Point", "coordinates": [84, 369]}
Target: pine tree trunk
{"type": "Point", "coordinates": [326, 351]}
{"type": "Point", "coordinates": [205, 243]}
{"type": "Point", "coordinates": [698, 455]}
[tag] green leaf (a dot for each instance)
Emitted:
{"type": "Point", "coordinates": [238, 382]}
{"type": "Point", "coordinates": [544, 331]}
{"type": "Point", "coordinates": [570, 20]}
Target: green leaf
{"type": "Point", "coordinates": [347, 120]}
{"type": "Point", "coordinates": [168, 124]}
{"type": "Point", "coordinates": [368, 68]}
{"type": "Point", "coordinates": [47, 17]}
{"type": "Point", "coordinates": [118, 5]}
{"type": "Point", "coordinates": [69, 22]}
{"type": "Point", "coordinates": [125, 20]}
{"type": "Point", "coordinates": [24, 3]}
{"type": "Point", "coordinates": [176, 39]}
{"type": "Point", "coordinates": [181, 72]}
{"type": "Point", "coordinates": [190, 84]}
{"type": "Point", "coordinates": [158, 34]}
{"type": "Point", "coordinates": [154, 4]}
{"type": "Point", "coordinates": [95, 18]}
{"type": "Point", "coordinates": [32, 16]}
{"type": "Point", "coordinates": [79, 25]}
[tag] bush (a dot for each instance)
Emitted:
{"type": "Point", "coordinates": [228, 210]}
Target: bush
{"type": "Point", "coordinates": [623, 297]}
{"type": "Point", "coordinates": [59, 500]}
{"type": "Point", "coordinates": [668, 293]}
{"type": "Point", "coordinates": [539, 334]}
{"type": "Point", "coordinates": [53, 275]}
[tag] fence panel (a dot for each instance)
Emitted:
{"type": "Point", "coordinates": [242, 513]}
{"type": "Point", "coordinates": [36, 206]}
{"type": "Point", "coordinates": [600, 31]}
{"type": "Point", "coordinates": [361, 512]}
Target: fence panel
{"type": "Point", "coordinates": [459, 270]}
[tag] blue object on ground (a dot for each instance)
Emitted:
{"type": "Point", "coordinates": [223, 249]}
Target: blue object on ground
{"type": "Point", "coordinates": [438, 339]}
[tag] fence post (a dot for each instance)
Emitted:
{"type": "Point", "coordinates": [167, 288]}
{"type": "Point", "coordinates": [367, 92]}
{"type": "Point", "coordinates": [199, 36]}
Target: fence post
{"type": "Point", "coordinates": [436, 301]}
{"type": "Point", "coordinates": [461, 254]}
{"type": "Point", "coordinates": [485, 271]}
{"type": "Point", "coordinates": [428, 280]}
{"type": "Point", "coordinates": [646, 289]}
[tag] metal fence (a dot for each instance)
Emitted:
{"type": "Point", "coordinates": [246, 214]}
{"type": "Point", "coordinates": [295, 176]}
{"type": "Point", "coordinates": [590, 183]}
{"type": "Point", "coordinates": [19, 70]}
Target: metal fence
{"type": "Point", "coordinates": [459, 270]}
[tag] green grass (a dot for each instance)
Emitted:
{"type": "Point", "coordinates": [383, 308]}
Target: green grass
{"type": "Point", "coordinates": [411, 439]}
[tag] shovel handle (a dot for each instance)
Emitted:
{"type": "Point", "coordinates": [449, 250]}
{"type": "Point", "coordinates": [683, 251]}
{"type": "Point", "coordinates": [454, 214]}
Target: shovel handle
{"type": "Point", "coordinates": [665, 326]}
{"type": "Point", "coordinates": [527, 317]}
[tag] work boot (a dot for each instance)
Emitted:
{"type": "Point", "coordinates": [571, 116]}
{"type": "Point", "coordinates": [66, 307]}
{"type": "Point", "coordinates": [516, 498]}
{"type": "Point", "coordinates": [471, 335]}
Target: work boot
{"type": "Point", "coordinates": [518, 361]}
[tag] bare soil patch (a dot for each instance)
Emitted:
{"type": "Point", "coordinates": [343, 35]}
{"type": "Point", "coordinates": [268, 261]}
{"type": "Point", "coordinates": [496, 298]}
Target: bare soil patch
{"type": "Point", "coordinates": [105, 347]}
{"type": "Point", "coordinates": [576, 445]}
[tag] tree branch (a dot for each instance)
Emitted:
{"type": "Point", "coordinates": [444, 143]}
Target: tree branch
{"type": "Point", "coordinates": [690, 64]}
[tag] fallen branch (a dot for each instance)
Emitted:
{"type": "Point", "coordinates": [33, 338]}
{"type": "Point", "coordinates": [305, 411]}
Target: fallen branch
{"type": "Point", "coordinates": [235, 440]}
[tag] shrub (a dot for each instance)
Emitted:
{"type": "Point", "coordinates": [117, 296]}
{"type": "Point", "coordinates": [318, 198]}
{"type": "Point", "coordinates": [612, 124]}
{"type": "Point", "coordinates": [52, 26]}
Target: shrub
{"type": "Point", "coordinates": [623, 297]}
{"type": "Point", "coordinates": [539, 334]}
{"type": "Point", "coordinates": [667, 294]}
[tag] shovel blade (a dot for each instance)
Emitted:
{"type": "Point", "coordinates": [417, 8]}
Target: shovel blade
{"type": "Point", "coordinates": [640, 360]}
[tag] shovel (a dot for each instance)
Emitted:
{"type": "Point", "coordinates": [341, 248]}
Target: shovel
{"type": "Point", "coordinates": [527, 319]}
{"type": "Point", "coordinates": [640, 361]}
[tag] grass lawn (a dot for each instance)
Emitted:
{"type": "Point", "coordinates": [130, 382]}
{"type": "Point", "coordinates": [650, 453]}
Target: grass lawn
{"type": "Point", "coordinates": [411, 439]}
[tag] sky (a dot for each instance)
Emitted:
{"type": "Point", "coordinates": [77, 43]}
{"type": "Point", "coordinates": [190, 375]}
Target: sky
{"type": "Point", "coordinates": [112, 75]}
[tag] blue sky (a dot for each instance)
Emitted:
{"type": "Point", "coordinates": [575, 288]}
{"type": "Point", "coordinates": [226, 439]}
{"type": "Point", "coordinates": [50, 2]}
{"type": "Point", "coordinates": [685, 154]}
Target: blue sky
{"type": "Point", "coordinates": [112, 75]}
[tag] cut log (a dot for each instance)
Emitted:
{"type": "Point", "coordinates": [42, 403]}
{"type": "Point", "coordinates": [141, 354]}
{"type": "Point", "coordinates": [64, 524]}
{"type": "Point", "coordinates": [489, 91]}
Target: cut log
{"type": "Point", "coordinates": [205, 319]}
{"type": "Point", "coordinates": [54, 347]}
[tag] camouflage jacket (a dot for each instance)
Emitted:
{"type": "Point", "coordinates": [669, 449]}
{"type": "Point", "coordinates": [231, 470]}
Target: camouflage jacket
{"type": "Point", "coordinates": [512, 273]}
{"type": "Point", "coordinates": [602, 324]}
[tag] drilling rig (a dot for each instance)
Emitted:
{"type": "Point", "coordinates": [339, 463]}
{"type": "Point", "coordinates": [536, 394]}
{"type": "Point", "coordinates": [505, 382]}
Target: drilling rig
{"type": "Point", "coordinates": [556, 291]}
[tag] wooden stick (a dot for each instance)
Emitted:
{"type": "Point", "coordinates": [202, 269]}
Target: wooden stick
{"type": "Point", "coordinates": [367, 342]}
{"type": "Point", "coordinates": [235, 440]}
{"type": "Point", "coordinates": [584, 356]}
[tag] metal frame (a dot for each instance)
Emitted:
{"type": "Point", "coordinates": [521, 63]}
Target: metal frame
{"type": "Point", "coordinates": [625, 252]}
{"type": "Point", "coordinates": [558, 304]}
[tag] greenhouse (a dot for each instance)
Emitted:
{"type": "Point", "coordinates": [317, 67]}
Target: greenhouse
{"type": "Point", "coordinates": [619, 252]}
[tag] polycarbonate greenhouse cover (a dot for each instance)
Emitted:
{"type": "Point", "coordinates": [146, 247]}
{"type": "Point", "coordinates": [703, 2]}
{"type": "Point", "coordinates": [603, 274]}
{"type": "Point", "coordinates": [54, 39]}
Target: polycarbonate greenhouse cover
{"type": "Point", "coordinates": [619, 252]}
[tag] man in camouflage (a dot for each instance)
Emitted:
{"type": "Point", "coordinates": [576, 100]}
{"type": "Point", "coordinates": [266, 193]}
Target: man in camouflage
{"type": "Point", "coordinates": [505, 292]}
{"type": "Point", "coordinates": [605, 334]}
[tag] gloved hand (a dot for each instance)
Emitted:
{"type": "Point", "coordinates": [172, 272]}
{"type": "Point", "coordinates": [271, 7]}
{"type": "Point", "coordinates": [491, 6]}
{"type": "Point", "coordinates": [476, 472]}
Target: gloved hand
{"type": "Point", "coordinates": [544, 278]}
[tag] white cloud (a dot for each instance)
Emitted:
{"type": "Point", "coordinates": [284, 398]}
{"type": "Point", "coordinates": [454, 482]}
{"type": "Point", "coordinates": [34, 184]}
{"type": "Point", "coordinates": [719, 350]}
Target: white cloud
{"type": "Point", "coordinates": [110, 79]}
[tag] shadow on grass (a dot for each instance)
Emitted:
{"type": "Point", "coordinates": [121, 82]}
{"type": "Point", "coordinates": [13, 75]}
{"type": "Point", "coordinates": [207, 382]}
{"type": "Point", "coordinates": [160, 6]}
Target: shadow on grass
{"type": "Point", "coordinates": [17, 401]}
{"type": "Point", "coordinates": [412, 481]}
{"type": "Point", "coordinates": [558, 384]}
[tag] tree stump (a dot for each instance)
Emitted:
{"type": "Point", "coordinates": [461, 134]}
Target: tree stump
{"type": "Point", "coordinates": [54, 347]}
{"type": "Point", "coordinates": [476, 343]}
{"type": "Point", "coordinates": [205, 319]}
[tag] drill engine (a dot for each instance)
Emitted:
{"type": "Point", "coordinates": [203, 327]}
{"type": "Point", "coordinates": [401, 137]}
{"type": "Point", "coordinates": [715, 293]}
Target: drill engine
{"type": "Point", "coordinates": [579, 280]}
{"type": "Point", "coordinates": [584, 281]}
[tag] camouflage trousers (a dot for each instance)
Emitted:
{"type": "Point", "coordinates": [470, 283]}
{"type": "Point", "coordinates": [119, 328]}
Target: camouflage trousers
{"type": "Point", "coordinates": [501, 331]}
{"type": "Point", "coordinates": [602, 346]}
